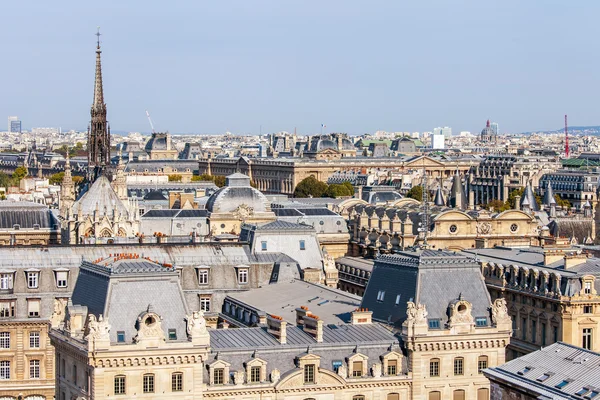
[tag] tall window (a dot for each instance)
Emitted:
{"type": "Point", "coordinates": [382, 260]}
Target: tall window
{"type": "Point", "coordinates": [4, 340]}
{"type": "Point", "coordinates": [302, 245]}
{"type": "Point", "coordinates": [120, 384]}
{"type": "Point", "coordinates": [587, 288]}
{"type": "Point", "coordinates": [62, 278]}
{"type": "Point", "coordinates": [33, 308]}
{"type": "Point", "coordinates": [7, 308]}
{"type": "Point", "coordinates": [434, 367]}
{"type": "Point", "coordinates": [243, 276]}
{"type": "Point", "coordinates": [309, 373]}
{"type": "Point", "coordinates": [263, 245]}
{"type": "Point", "coordinates": [205, 303]}
{"type": "Point", "coordinates": [483, 394]}
{"type": "Point", "coordinates": [34, 369]}
{"type": "Point", "coordinates": [482, 363]}
{"type": "Point", "coordinates": [177, 382]}
{"type": "Point", "coordinates": [555, 334]}
{"type": "Point", "coordinates": [357, 368]}
{"type": "Point", "coordinates": [543, 334]}
{"type": "Point", "coordinates": [218, 376]}
{"type": "Point", "coordinates": [459, 367]}
{"type": "Point", "coordinates": [533, 331]}
{"type": "Point", "coordinates": [392, 367]}
{"type": "Point", "coordinates": [435, 395]}
{"type": "Point", "coordinates": [524, 328]}
{"type": "Point", "coordinates": [34, 340]}
{"type": "Point", "coordinates": [6, 281]}
{"type": "Point", "coordinates": [381, 295]}
{"type": "Point", "coordinates": [74, 375]}
{"type": "Point", "coordinates": [33, 280]}
{"type": "Point", "coordinates": [255, 374]}
{"type": "Point", "coordinates": [148, 383]}
{"type": "Point", "coordinates": [4, 369]}
{"type": "Point", "coordinates": [458, 395]}
{"type": "Point", "coordinates": [203, 277]}
{"type": "Point", "coordinates": [587, 338]}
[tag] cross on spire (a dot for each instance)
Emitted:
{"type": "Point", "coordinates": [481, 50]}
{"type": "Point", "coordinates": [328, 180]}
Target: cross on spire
{"type": "Point", "coordinates": [98, 34]}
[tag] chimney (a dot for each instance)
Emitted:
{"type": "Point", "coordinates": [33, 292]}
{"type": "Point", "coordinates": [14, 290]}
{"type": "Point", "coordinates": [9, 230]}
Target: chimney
{"type": "Point", "coordinates": [277, 327]}
{"type": "Point", "coordinates": [552, 256]}
{"type": "Point", "coordinates": [313, 326]}
{"type": "Point", "coordinates": [517, 202]}
{"type": "Point", "coordinates": [361, 316]}
{"type": "Point", "coordinates": [76, 316]}
{"type": "Point", "coordinates": [572, 260]}
{"type": "Point", "coordinates": [300, 314]}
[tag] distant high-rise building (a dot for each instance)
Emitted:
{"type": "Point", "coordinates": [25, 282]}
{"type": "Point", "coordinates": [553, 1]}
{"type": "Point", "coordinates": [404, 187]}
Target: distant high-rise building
{"type": "Point", "coordinates": [437, 141]}
{"type": "Point", "coordinates": [14, 124]}
{"type": "Point", "coordinates": [494, 126]}
{"type": "Point", "coordinates": [446, 131]}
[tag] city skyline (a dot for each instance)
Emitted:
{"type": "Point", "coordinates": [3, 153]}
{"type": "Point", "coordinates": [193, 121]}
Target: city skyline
{"type": "Point", "coordinates": [208, 69]}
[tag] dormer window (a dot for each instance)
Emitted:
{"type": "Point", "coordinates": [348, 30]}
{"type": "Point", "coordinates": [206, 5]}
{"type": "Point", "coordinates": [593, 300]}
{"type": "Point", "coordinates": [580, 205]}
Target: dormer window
{"type": "Point", "coordinates": [309, 373]}
{"type": "Point", "coordinates": [33, 280]}
{"type": "Point", "coordinates": [242, 275]}
{"type": "Point", "coordinates": [587, 288]}
{"type": "Point", "coordinates": [6, 281]}
{"type": "Point", "coordinates": [62, 278]}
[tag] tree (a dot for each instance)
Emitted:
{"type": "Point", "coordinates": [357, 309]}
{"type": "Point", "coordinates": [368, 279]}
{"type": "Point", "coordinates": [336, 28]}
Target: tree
{"type": "Point", "coordinates": [219, 180]}
{"type": "Point", "coordinates": [175, 178]}
{"type": "Point", "coordinates": [415, 192]}
{"type": "Point", "coordinates": [496, 205]}
{"type": "Point", "coordinates": [77, 180]}
{"type": "Point", "coordinates": [562, 202]}
{"type": "Point", "coordinates": [57, 178]}
{"type": "Point", "coordinates": [197, 178]}
{"type": "Point", "coordinates": [20, 173]}
{"type": "Point", "coordinates": [310, 187]}
{"type": "Point", "coordinates": [339, 190]}
{"type": "Point", "coordinates": [4, 180]}
{"type": "Point", "coordinates": [511, 202]}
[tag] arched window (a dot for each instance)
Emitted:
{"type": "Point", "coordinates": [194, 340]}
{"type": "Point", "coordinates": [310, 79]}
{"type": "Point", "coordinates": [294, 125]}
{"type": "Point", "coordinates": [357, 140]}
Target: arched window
{"type": "Point", "coordinates": [458, 395]}
{"type": "Point", "coordinates": [393, 396]}
{"type": "Point", "coordinates": [358, 397]}
{"type": "Point", "coordinates": [483, 394]}
{"type": "Point", "coordinates": [435, 395]}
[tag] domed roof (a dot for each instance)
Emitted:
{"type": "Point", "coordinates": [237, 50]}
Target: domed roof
{"type": "Point", "coordinates": [154, 195]}
{"type": "Point", "coordinates": [347, 145]}
{"type": "Point", "coordinates": [158, 141]}
{"type": "Point", "coordinates": [236, 192]}
{"type": "Point", "coordinates": [322, 144]}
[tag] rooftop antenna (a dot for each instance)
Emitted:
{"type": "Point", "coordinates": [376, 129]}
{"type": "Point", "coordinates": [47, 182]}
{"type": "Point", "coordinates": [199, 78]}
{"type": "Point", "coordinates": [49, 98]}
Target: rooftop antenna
{"type": "Point", "coordinates": [566, 138]}
{"type": "Point", "coordinates": [150, 120]}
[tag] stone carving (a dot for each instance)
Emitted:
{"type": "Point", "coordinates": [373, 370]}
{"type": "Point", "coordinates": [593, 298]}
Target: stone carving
{"type": "Point", "coordinates": [242, 212]}
{"type": "Point", "coordinates": [460, 313]}
{"type": "Point", "coordinates": [149, 327]}
{"type": "Point", "coordinates": [98, 329]}
{"type": "Point", "coordinates": [328, 262]}
{"type": "Point", "coordinates": [342, 371]}
{"type": "Point", "coordinates": [196, 324]}
{"type": "Point", "coordinates": [58, 313]}
{"type": "Point", "coordinates": [484, 228]}
{"type": "Point", "coordinates": [376, 370]}
{"type": "Point", "coordinates": [238, 377]}
{"type": "Point", "coordinates": [275, 375]}
{"type": "Point", "coordinates": [416, 313]}
{"type": "Point", "coordinates": [500, 312]}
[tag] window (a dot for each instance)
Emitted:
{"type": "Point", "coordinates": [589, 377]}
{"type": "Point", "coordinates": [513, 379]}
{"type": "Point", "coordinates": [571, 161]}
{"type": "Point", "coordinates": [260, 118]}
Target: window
{"type": "Point", "coordinates": [33, 280]}
{"type": "Point", "coordinates": [482, 363]}
{"type": "Point", "coordinates": [6, 281]}
{"type": "Point", "coordinates": [309, 373]}
{"type": "Point", "coordinates": [398, 299]}
{"type": "Point", "coordinates": [435, 395]}
{"type": "Point", "coordinates": [4, 340]}
{"type": "Point", "coordinates": [242, 276]}
{"type": "Point", "coordinates": [33, 308]}
{"type": "Point", "coordinates": [148, 383]}
{"type": "Point", "coordinates": [177, 382]}
{"type": "Point", "coordinates": [34, 340]}
{"type": "Point", "coordinates": [434, 367]}
{"type": "Point", "coordinates": [393, 396]}
{"type": "Point", "coordinates": [587, 309]}
{"type": "Point", "coordinates": [392, 368]}
{"type": "Point", "coordinates": [62, 367]}
{"type": "Point", "coordinates": [120, 384]}
{"type": "Point", "coordinates": [62, 279]}
{"type": "Point", "coordinates": [7, 308]}
{"type": "Point", "coordinates": [434, 323]}
{"type": "Point", "coordinates": [120, 336]}
{"type": "Point", "coordinates": [524, 371]}
{"type": "Point", "coordinates": [75, 375]}
{"type": "Point", "coordinates": [357, 369]}
{"type": "Point", "coordinates": [555, 334]}
{"type": "Point", "coordinates": [218, 376]}
{"type": "Point", "coordinates": [562, 384]}
{"type": "Point", "coordinates": [514, 228]}
{"type": "Point", "coordinates": [543, 377]}
{"type": "Point", "coordinates": [533, 331]}
{"type": "Point", "coordinates": [587, 338]}
{"type": "Point", "coordinates": [4, 369]}
{"type": "Point", "coordinates": [380, 295]}
{"type": "Point", "coordinates": [459, 366]}
{"type": "Point", "coordinates": [483, 394]}
{"type": "Point", "coordinates": [263, 245]}
{"type": "Point", "coordinates": [453, 228]}
{"type": "Point", "coordinates": [205, 303]}
{"type": "Point", "coordinates": [172, 334]}
{"type": "Point", "coordinates": [34, 369]}
{"type": "Point", "coordinates": [582, 391]}
{"type": "Point", "coordinates": [336, 364]}
{"type": "Point", "coordinates": [481, 321]}
{"type": "Point", "coordinates": [524, 329]}
{"type": "Point", "coordinates": [255, 374]}
{"type": "Point", "coordinates": [302, 245]}
{"type": "Point", "coordinates": [203, 276]}
{"type": "Point", "coordinates": [458, 395]}
{"type": "Point", "coordinates": [587, 288]}
{"type": "Point", "coordinates": [543, 334]}
{"type": "Point", "coordinates": [358, 397]}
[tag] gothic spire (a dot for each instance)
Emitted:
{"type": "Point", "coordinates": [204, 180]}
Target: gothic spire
{"type": "Point", "coordinates": [98, 90]}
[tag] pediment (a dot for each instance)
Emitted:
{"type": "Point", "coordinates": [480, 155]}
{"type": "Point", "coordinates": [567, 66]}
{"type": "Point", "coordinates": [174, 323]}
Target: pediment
{"type": "Point", "coordinates": [328, 151]}
{"type": "Point", "coordinates": [255, 361]}
{"type": "Point", "coordinates": [587, 321]}
{"type": "Point", "coordinates": [421, 162]}
{"type": "Point", "coordinates": [392, 355]}
{"type": "Point", "coordinates": [357, 357]}
{"type": "Point", "coordinates": [219, 364]}
{"type": "Point", "coordinates": [295, 379]}
{"type": "Point", "coordinates": [309, 357]}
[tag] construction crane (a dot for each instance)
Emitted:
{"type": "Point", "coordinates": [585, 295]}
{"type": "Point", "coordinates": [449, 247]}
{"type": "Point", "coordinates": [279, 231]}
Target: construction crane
{"type": "Point", "coordinates": [150, 120]}
{"type": "Point", "coordinates": [566, 138]}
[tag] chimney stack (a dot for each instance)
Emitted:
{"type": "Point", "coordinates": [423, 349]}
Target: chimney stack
{"type": "Point", "coordinates": [277, 327]}
{"type": "Point", "coordinates": [313, 326]}
{"type": "Point", "coordinates": [300, 314]}
{"type": "Point", "coordinates": [572, 260]}
{"type": "Point", "coordinates": [361, 316]}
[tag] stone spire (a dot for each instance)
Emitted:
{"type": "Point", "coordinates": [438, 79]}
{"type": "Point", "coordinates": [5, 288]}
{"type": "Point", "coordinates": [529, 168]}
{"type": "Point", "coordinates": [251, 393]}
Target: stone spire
{"type": "Point", "coordinates": [120, 183]}
{"type": "Point", "coordinates": [457, 198]}
{"type": "Point", "coordinates": [530, 196]}
{"type": "Point", "coordinates": [98, 131]}
{"type": "Point", "coordinates": [67, 190]}
{"type": "Point", "coordinates": [549, 196]}
{"type": "Point", "coordinates": [439, 197]}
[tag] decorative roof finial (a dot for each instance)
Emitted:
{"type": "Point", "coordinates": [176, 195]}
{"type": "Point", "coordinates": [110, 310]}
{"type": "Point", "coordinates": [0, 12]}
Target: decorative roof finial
{"type": "Point", "coordinates": [98, 34]}
{"type": "Point", "coordinates": [487, 124]}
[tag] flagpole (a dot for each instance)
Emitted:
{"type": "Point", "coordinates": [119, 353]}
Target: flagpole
{"type": "Point", "coordinates": [321, 129]}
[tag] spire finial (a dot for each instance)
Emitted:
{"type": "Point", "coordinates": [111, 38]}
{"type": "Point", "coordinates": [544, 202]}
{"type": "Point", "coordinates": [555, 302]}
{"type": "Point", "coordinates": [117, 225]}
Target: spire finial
{"type": "Point", "coordinates": [98, 34]}
{"type": "Point", "coordinates": [487, 123]}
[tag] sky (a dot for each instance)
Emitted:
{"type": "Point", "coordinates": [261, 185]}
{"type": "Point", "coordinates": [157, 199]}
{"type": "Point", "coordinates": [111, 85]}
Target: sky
{"type": "Point", "coordinates": [356, 66]}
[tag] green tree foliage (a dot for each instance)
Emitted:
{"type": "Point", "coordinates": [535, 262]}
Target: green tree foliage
{"type": "Point", "coordinates": [77, 180]}
{"type": "Point", "coordinates": [496, 205]}
{"type": "Point", "coordinates": [511, 202]}
{"type": "Point", "coordinates": [218, 180]}
{"type": "Point", "coordinates": [20, 173]}
{"type": "Point", "coordinates": [5, 180]}
{"type": "Point", "coordinates": [562, 202]}
{"type": "Point", "coordinates": [175, 178]}
{"type": "Point", "coordinates": [310, 187]}
{"type": "Point", "coordinates": [340, 190]}
{"type": "Point", "coordinates": [415, 192]}
{"type": "Point", "coordinates": [57, 178]}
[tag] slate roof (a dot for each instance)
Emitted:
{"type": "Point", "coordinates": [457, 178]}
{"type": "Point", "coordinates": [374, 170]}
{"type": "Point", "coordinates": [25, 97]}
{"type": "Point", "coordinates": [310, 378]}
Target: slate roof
{"type": "Point", "coordinates": [430, 277]}
{"type": "Point", "coordinates": [100, 195]}
{"type": "Point", "coordinates": [284, 226]}
{"type": "Point", "coordinates": [559, 361]}
{"type": "Point", "coordinates": [175, 214]}
{"type": "Point", "coordinates": [26, 215]}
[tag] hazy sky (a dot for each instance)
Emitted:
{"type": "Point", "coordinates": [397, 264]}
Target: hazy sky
{"type": "Point", "coordinates": [357, 66]}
